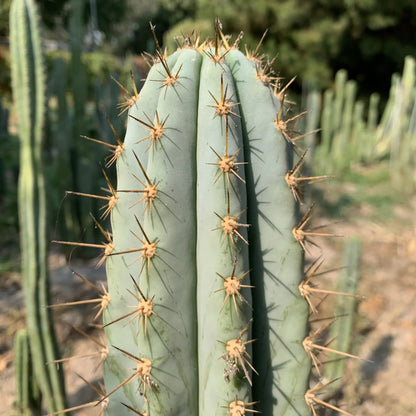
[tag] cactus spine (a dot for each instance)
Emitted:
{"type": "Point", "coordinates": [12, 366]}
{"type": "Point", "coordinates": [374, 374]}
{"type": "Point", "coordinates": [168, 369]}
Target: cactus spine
{"type": "Point", "coordinates": [28, 91]}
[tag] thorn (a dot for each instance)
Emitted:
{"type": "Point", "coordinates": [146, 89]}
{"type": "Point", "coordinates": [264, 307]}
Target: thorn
{"type": "Point", "coordinates": [232, 287]}
{"type": "Point", "coordinates": [253, 55]}
{"type": "Point", "coordinates": [306, 290]}
{"type": "Point", "coordinates": [220, 44]}
{"type": "Point", "coordinates": [134, 410]}
{"type": "Point", "coordinates": [311, 400]}
{"type": "Point", "coordinates": [102, 353]}
{"type": "Point", "coordinates": [132, 98]}
{"type": "Point", "coordinates": [170, 79]}
{"type": "Point", "coordinates": [108, 247]}
{"type": "Point", "coordinates": [309, 346]}
{"type": "Point", "coordinates": [149, 191]}
{"type": "Point", "coordinates": [156, 129]}
{"type": "Point", "coordinates": [230, 225]}
{"type": "Point", "coordinates": [226, 163]}
{"type": "Point", "coordinates": [280, 95]}
{"type": "Point", "coordinates": [283, 125]}
{"type": "Point", "coordinates": [237, 354]}
{"type": "Point", "coordinates": [239, 408]}
{"type": "Point", "coordinates": [112, 198]}
{"type": "Point", "coordinates": [294, 182]}
{"type": "Point", "coordinates": [148, 249]}
{"type": "Point", "coordinates": [143, 310]}
{"type": "Point", "coordinates": [142, 372]}
{"type": "Point", "coordinates": [302, 236]}
{"type": "Point", "coordinates": [103, 300]}
{"type": "Point", "coordinates": [223, 106]}
{"type": "Point", "coordinates": [191, 40]}
{"type": "Point", "coordinates": [117, 149]}
{"type": "Point", "coordinates": [103, 402]}
{"type": "Point", "coordinates": [264, 73]}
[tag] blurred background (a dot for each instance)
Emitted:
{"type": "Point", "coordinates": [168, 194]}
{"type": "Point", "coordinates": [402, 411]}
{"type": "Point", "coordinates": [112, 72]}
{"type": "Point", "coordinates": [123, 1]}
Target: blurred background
{"type": "Point", "coordinates": [355, 69]}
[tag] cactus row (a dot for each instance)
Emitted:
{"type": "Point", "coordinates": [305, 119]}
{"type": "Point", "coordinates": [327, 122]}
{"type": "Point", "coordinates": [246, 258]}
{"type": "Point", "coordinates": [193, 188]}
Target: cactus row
{"type": "Point", "coordinates": [353, 133]}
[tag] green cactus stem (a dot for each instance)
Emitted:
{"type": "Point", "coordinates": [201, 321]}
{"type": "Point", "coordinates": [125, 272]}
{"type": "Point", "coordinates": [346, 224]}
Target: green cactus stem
{"type": "Point", "coordinates": [29, 100]}
{"type": "Point", "coordinates": [205, 244]}
{"type": "Point", "coordinates": [276, 257]}
{"type": "Point", "coordinates": [206, 311]}
{"type": "Point", "coordinates": [341, 331]}
{"type": "Point", "coordinates": [28, 395]}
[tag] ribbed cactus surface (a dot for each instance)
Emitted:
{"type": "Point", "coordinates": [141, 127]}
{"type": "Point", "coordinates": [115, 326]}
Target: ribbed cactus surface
{"type": "Point", "coordinates": [205, 316]}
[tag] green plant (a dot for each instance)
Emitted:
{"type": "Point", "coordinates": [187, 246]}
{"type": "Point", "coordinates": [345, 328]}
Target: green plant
{"type": "Point", "coordinates": [28, 397]}
{"type": "Point", "coordinates": [341, 333]}
{"type": "Point", "coordinates": [396, 132]}
{"type": "Point", "coordinates": [351, 133]}
{"type": "Point", "coordinates": [4, 121]}
{"type": "Point", "coordinates": [78, 88]}
{"type": "Point", "coordinates": [203, 313]}
{"type": "Point", "coordinates": [29, 101]}
{"type": "Point", "coordinates": [194, 233]}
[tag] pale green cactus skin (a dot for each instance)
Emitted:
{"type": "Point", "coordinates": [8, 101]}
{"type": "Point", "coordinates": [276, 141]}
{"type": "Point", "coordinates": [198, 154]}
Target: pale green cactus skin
{"type": "Point", "coordinates": [194, 317]}
{"type": "Point", "coordinates": [216, 256]}
{"type": "Point", "coordinates": [280, 313]}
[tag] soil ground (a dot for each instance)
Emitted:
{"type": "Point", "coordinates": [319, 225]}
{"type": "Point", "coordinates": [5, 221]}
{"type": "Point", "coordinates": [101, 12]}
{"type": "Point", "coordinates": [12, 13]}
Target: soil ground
{"type": "Point", "coordinates": [383, 383]}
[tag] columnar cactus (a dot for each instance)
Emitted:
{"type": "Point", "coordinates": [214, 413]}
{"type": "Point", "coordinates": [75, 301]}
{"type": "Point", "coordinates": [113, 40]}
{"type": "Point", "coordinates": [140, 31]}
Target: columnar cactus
{"type": "Point", "coordinates": [28, 397]}
{"type": "Point", "coordinates": [204, 314]}
{"type": "Point", "coordinates": [29, 99]}
{"type": "Point", "coordinates": [211, 255]}
{"type": "Point", "coordinates": [344, 310]}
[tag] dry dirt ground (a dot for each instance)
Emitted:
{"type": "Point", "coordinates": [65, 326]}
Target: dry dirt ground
{"type": "Point", "coordinates": [383, 383]}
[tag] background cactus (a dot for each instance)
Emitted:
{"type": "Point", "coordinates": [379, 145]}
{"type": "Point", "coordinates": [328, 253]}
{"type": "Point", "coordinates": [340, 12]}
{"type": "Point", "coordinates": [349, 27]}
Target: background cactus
{"type": "Point", "coordinates": [341, 333]}
{"type": "Point", "coordinates": [352, 133]}
{"type": "Point", "coordinates": [4, 118]}
{"type": "Point", "coordinates": [29, 99]}
{"type": "Point", "coordinates": [28, 396]}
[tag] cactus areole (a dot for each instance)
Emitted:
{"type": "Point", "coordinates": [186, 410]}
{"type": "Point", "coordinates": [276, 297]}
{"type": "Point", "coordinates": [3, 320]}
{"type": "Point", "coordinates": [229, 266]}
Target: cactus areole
{"type": "Point", "coordinates": [205, 316]}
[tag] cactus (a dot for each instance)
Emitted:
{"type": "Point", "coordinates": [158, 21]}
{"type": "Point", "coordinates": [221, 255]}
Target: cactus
{"type": "Point", "coordinates": [396, 132]}
{"type": "Point", "coordinates": [341, 333]}
{"type": "Point", "coordinates": [78, 88]}
{"type": "Point", "coordinates": [209, 138]}
{"type": "Point", "coordinates": [4, 121]}
{"type": "Point", "coordinates": [351, 133]}
{"type": "Point", "coordinates": [29, 100]}
{"type": "Point", "coordinates": [338, 145]}
{"type": "Point", "coordinates": [28, 397]}
{"type": "Point", "coordinates": [204, 312]}
{"type": "Point", "coordinates": [59, 127]}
